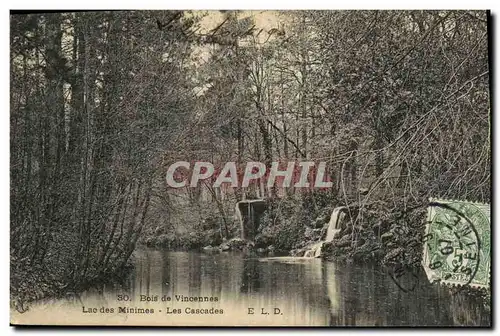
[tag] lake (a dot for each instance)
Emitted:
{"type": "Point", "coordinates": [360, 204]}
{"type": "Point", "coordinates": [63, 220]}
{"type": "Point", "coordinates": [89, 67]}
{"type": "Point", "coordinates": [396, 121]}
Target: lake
{"type": "Point", "coordinates": [191, 288]}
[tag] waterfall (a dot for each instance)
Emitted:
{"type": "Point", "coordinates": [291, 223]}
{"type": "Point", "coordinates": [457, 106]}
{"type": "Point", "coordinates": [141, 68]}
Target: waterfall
{"type": "Point", "coordinates": [247, 213]}
{"type": "Point", "coordinates": [333, 227]}
{"type": "Point", "coordinates": [314, 250]}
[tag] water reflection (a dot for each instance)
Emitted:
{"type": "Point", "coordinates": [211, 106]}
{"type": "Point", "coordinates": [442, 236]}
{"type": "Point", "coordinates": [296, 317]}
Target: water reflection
{"type": "Point", "coordinates": [250, 276]}
{"type": "Point", "coordinates": [314, 292]}
{"type": "Point", "coordinates": [305, 291]}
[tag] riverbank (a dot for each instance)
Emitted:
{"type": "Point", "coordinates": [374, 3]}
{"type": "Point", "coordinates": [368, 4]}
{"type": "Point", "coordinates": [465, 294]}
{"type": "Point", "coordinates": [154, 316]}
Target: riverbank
{"type": "Point", "coordinates": [323, 294]}
{"type": "Point", "coordinates": [383, 233]}
{"type": "Point", "coordinates": [33, 282]}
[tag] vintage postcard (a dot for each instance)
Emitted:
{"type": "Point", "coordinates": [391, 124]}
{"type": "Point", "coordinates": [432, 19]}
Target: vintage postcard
{"type": "Point", "coordinates": [250, 168]}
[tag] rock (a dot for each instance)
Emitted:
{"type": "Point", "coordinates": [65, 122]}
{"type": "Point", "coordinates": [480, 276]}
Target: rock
{"type": "Point", "coordinates": [297, 252]}
{"type": "Point", "coordinates": [319, 222]}
{"type": "Point", "coordinates": [162, 240]}
{"type": "Point", "coordinates": [301, 244]}
{"type": "Point", "coordinates": [150, 241]}
{"type": "Point", "coordinates": [386, 236]}
{"type": "Point", "coordinates": [313, 250]}
{"type": "Point", "coordinates": [261, 240]}
{"type": "Point", "coordinates": [250, 246]}
{"type": "Point", "coordinates": [343, 241]}
{"type": "Point", "coordinates": [225, 247]}
{"type": "Point", "coordinates": [312, 234]}
{"type": "Point", "coordinates": [208, 248]}
{"type": "Point", "coordinates": [236, 243]}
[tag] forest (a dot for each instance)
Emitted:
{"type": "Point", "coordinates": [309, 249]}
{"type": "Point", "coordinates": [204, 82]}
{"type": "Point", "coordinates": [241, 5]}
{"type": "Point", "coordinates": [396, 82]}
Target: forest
{"type": "Point", "coordinates": [397, 103]}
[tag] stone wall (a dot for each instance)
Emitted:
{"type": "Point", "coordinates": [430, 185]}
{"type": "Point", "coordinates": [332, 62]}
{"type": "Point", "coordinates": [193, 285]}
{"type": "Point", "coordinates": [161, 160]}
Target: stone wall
{"type": "Point", "coordinates": [248, 213]}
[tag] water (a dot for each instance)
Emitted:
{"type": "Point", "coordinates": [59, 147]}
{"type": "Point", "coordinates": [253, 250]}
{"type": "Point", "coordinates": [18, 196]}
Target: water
{"type": "Point", "coordinates": [304, 291]}
{"type": "Point", "coordinates": [314, 250]}
{"type": "Point", "coordinates": [332, 229]}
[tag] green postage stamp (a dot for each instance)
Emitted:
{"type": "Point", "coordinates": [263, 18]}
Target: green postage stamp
{"type": "Point", "coordinates": [457, 243]}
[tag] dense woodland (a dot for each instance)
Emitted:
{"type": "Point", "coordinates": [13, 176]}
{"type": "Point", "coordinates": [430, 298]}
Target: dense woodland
{"type": "Point", "coordinates": [396, 102]}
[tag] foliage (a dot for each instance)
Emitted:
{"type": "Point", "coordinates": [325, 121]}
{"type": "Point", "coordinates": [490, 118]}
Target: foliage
{"type": "Point", "coordinates": [396, 103]}
{"type": "Point", "coordinates": [91, 101]}
{"type": "Point", "coordinates": [285, 222]}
